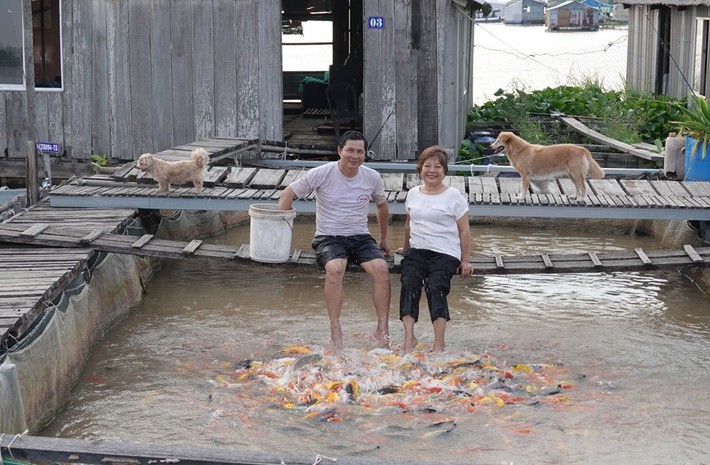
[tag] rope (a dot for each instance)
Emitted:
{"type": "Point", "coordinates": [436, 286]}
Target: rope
{"type": "Point", "coordinates": [670, 55]}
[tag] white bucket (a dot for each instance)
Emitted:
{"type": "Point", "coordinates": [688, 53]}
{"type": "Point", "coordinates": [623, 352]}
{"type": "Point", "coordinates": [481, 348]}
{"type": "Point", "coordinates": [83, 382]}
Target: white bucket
{"type": "Point", "coordinates": [270, 233]}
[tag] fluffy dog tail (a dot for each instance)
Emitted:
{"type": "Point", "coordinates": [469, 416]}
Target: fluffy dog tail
{"type": "Point", "coordinates": [200, 157]}
{"type": "Point", "coordinates": [595, 171]}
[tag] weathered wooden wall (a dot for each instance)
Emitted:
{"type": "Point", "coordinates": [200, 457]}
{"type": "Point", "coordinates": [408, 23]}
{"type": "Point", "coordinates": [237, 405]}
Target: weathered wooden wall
{"type": "Point", "coordinates": [417, 81]}
{"type": "Point", "coordinates": [145, 75]}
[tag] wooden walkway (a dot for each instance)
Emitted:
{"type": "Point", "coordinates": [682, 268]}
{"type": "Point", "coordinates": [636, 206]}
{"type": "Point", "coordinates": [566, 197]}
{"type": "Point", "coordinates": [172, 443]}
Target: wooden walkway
{"type": "Point", "coordinates": [236, 188]}
{"type": "Point", "coordinates": [147, 245]}
{"type": "Point", "coordinates": [31, 277]}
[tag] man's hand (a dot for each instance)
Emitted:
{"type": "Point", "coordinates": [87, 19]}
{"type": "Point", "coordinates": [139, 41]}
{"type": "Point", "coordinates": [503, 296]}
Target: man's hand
{"type": "Point", "coordinates": [384, 247]}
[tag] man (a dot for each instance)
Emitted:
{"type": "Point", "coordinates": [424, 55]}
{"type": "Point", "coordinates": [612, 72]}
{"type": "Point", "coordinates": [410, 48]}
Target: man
{"type": "Point", "coordinates": [344, 189]}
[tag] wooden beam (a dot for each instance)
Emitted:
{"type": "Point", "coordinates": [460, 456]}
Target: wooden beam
{"type": "Point", "coordinates": [37, 449]}
{"type": "Point", "coordinates": [622, 146]}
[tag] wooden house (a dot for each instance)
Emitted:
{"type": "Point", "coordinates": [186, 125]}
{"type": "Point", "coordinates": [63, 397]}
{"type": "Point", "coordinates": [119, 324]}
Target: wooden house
{"type": "Point", "coordinates": [124, 77]}
{"type": "Point", "coordinates": [669, 47]}
{"type": "Point", "coordinates": [571, 15]}
{"type": "Point", "coordinates": [524, 12]}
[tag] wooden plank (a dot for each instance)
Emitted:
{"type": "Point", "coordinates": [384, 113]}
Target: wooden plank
{"type": "Point", "coordinates": [546, 260]}
{"type": "Point", "coordinates": [144, 239]}
{"type": "Point", "coordinates": [242, 252]}
{"type": "Point", "coordinates": [457, 182]}
{"type": "Point", "coordinates": [545, 186]}
{"type": "Point", "coordinates": [621, 146]}
{"type": "Point", "coordinates": [291, 176]}
{"type": "Point", "coordinates": [267, 178]}
{"type": "Point", "coordinates": [413, 180]}
{"type": "Point", "coordinates": [510, 186]}
{"type": "Point", "coordinates": [141, 82]}
{"type": "Point", "coordinates": [393, 181]}
{"type": "Point", "coordinates": [475, 185]}
{"type": "Point", "coordinates": [119, 80]}
{"type": "Point", "coordinates": [34, 231]}
{"type": "Point", "coordinates": [225, 64]}
{"type": "Point", "coordinates": [239, 177]}
{"type": "Point", "coordinates": [595, 260]}
{"type": "Point", "coordinates": [296, 255]}
{"type": "Point", "coordinates": [637, 187]}
{"type": "Point", "coordinates": [161, 74]}
{"type": "Point", "coordinates": [36, 449]}
{"type": "Point", "coordinates": [607, 187]}
{"type": "Point", "coordinates": [89, 238]}
{"type": "Point", "coordinates": [499, 261]}
{"type": "Point", "coordinates": [697, 188]}
{"type": "Point", "coordinates": [214, 175]}
{"type": "Point", "coordinates": [192, 246]}
{"type": "Point", "coordinates": [203, 78]}
{"type": "Point", "coordinates": [247, 76]}
{"type": "Point", "coordinates": [694, 256]}
{"type": "Point", "coordinates": [642, 256]}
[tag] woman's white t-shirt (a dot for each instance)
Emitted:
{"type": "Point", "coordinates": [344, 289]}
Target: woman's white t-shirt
{"type": "Point", "coordinates": [432, 220]}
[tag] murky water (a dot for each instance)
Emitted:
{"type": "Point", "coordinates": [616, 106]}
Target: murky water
{"type": "Point", "coordinates": [593, 368]}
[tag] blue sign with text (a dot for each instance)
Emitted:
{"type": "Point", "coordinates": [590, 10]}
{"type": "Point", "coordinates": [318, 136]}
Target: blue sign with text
{"type": "Point", "coordinates": [375, 22]}
{"type": "Point", "coordinates": [47, 147]}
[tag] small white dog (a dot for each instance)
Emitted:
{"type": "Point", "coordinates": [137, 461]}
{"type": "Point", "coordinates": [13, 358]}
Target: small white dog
{"type": "Point", "coordinates": [175, 172]}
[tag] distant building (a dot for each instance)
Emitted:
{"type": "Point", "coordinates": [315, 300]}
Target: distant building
{"type": "Point", "coordinates": [619, 12]}
{"type": "Point", "coordinates": [524, 12]}
{"type": "Point", "coordinates": [572, 14]}
{"type": "Point", "coordinates": [496, 14]}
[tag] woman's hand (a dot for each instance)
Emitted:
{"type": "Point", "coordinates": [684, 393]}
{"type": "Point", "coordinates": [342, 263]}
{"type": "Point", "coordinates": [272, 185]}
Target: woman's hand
{"type": "Point", "coordinates": [465, 269]}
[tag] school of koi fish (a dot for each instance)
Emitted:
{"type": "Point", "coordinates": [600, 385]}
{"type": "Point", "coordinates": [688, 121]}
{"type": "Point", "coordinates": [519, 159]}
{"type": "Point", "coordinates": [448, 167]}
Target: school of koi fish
{"type": "Point", "coordinates": [330, 388]}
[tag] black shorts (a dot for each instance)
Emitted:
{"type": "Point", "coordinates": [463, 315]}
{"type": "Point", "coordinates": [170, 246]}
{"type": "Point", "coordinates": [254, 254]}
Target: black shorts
{"type": "Point", "coordinates": [356, 249]}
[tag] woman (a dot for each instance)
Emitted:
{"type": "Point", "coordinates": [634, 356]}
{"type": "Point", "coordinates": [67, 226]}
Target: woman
{"type": "Point", "coordinates": [437, 244]}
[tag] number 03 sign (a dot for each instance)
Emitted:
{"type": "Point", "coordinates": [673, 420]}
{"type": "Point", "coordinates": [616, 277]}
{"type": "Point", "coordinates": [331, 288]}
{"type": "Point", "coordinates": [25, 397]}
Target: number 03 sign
{"type": "Point", "coordinates": [375, 22]}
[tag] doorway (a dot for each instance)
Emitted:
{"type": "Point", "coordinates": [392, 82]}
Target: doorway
{"type": "Point", "coordinates": [321, 45]}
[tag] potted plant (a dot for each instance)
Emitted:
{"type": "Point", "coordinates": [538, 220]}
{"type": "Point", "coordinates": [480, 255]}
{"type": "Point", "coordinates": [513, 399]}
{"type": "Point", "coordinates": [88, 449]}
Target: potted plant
{"type": "Point", "coordinates": [695, 126]}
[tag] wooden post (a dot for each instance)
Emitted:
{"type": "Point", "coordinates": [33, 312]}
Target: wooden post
{"type": "Point", "coordinates": [427, 78]}
{"type": "Point", "coordinates": [31, 174]}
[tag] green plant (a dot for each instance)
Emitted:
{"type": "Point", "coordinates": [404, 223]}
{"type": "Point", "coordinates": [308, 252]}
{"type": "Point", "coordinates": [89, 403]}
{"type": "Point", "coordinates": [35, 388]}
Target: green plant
{"type": "Point", "coordinates": [99, 161]}
{"type": "Point", "coordinates": [623, 115]}
{"type": "Point", "coordinates": [695, 122]}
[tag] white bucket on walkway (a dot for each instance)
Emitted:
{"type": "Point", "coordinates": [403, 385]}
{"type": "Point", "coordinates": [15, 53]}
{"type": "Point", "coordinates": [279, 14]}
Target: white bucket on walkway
{"type": "Point", "coordinates": [270, 233]}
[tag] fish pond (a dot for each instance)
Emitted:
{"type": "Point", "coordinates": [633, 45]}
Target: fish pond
{"type": "Point", "coordinates": [587, 368]}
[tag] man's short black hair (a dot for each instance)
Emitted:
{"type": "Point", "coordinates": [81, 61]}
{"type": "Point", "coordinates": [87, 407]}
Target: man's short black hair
{"type": "Point", "coordinates": [352, 135]}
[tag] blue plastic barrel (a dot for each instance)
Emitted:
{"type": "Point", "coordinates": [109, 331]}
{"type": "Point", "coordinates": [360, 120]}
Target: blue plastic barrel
{"type": "Point", "coordinates": [697, 167]}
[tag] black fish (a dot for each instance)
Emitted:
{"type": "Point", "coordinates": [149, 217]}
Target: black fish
{"type": "Point", "coordinates": [388, 390]}
{"type": "Point", "coordinates": [243, 364]}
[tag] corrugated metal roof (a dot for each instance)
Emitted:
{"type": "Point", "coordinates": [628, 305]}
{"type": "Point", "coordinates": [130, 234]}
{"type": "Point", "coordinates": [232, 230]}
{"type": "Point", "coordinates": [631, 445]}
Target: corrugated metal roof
{"type": "Point", "coordinates": [667, 3]}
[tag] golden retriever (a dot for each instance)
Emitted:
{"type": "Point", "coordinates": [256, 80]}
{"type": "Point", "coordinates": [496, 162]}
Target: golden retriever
{"type": "Point", "coordinates": [548, 161]}
{"type": "Point", "coordinates": [175, 172]}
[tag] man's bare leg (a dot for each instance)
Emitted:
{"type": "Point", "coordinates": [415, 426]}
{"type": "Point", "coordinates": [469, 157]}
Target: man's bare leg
{"type": "Point", "coordinates": [410, 341]}
{"type": "Point", "coordinates": [381, 289]}
{"type": "Point", "coordinates": [439, 329]}
{"type": "Point", "coordinates": [334, 272]}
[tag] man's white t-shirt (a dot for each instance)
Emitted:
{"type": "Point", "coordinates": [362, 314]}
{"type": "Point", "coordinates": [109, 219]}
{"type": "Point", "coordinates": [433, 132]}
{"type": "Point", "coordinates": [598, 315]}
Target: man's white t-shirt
{"type": "Point", "coordinates": [432, 220]}
{"type": "Point", "coordinates": [342, 203]}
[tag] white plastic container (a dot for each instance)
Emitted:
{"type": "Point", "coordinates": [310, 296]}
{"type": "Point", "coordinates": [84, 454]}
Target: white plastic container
{"type": "Point", "coordinates": [674, 158]}
{"type": "Point", "coordinates": [270, 232]}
